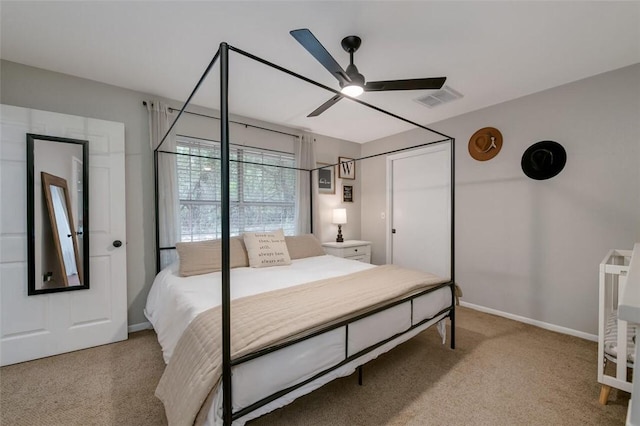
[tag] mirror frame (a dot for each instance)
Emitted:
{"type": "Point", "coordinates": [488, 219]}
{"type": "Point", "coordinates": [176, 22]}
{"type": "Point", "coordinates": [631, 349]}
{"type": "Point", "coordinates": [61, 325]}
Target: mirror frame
{"type": "Point", "coordinates": [82, 266]}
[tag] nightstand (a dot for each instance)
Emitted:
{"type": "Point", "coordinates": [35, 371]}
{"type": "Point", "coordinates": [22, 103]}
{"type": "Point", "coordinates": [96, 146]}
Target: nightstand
{"type": "Point", "coordinates": [350, 249]}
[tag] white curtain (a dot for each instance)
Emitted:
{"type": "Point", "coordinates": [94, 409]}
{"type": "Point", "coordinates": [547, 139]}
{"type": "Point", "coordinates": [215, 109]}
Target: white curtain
{"type": "Point", "coordinates": [305, 159]}
{"type": "Point", "coordinates": [160, 120]}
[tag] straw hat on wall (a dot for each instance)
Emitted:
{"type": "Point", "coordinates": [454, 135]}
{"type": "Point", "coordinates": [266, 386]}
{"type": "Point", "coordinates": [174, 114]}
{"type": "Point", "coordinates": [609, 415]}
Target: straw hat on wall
{"type": "Point", "coordinates": [485, 143]}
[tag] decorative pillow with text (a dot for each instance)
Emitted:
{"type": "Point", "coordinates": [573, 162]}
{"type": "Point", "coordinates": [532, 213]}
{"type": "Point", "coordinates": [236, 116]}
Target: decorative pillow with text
{"type": "Point", "coordinates": [267, 249]}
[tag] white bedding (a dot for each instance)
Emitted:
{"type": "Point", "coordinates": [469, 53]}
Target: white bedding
{"type": "Point", "coordinates": [174, 301]}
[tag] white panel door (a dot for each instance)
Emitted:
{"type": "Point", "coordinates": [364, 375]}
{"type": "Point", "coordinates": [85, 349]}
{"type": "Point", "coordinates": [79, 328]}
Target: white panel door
{"type": "Point", "coordinates": [419, 206]}
{"type": "Point", "coordinates": [47, 324]}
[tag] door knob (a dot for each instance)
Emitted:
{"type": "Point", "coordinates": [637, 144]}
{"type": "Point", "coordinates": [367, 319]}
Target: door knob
{"type": "Point", "coordinates": [117, 243]}
{"type": "Point", "coordinates": [393, 231]}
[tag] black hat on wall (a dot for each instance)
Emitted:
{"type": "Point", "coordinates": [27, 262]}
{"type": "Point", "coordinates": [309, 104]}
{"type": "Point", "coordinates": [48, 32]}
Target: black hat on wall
{"type": "Point", "coordinates": [543, 160]}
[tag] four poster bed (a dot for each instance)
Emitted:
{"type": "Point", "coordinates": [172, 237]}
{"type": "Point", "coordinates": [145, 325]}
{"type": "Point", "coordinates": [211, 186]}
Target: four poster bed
{"type": "Point", "coordinates": [275, 333]}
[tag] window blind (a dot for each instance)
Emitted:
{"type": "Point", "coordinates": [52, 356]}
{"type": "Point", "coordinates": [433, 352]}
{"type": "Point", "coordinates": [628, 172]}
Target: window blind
{"type": "Point", "coordinates": [262, 197]}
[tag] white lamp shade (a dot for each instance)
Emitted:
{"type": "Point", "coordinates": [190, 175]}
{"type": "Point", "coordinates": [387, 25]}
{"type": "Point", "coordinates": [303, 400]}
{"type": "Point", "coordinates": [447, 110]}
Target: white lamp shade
{"type": "Point", "coordinates": [339, 216]}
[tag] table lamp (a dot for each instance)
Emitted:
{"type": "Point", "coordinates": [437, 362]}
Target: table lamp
{"type": "Point", "coordinates": [339, 218]}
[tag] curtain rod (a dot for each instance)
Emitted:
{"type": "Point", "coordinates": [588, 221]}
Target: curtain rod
{"type": "Point", "coordinates": [230, 121]}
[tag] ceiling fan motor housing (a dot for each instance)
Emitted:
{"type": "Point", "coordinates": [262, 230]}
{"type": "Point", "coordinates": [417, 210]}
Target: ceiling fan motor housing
{"type": "Point", "coordinates": [350, 44]}
{"type": "Point", "coordinates": [354, 75]}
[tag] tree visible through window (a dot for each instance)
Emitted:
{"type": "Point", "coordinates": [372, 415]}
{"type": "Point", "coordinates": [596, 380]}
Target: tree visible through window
{"type": "Point", "coordinates": [262, 197]}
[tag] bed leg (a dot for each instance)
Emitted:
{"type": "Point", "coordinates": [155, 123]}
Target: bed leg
{"type": "Point", "coordinates": [360, 375]}
{"type": "Point", "coordinates": [452, 316]}
{"type": "Point", "coordinates": [604, 394]}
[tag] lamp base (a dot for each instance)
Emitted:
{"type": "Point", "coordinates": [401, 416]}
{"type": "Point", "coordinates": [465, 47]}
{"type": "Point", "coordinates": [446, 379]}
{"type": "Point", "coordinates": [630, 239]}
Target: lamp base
{"type": "Point", "coordinates": [339, 238]}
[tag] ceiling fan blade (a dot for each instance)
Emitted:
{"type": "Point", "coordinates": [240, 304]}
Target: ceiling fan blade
{"type": "Point", "coordinates": [317, 50]}
{"type": "Point", "coordinates": [413, 84]}
{"type": "Point", "coordinates": [325, 106]}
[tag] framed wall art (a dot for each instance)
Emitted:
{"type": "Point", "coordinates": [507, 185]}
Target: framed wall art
{"type": "Point", "coordinates": [347, 193]}
{"type": "Point", "coordinates": [326, 179]}
{"type": "Point", "coordinates": [346, 168]}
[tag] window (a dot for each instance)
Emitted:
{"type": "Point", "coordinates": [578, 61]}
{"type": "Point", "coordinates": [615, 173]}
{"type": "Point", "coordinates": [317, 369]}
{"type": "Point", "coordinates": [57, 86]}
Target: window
{"type": "Point", "coordinates": [262, 197]}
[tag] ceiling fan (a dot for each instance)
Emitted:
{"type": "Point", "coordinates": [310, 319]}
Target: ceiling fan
{"type": "Point", "coordinates": [352, 83]}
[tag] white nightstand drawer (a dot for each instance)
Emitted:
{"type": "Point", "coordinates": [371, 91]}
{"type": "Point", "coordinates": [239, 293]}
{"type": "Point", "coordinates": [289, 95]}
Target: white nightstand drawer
{"type": "Point", "coordinates": [362, 258]}
{"type": "Point", "coordinates": [356, 251]}
{"type": "Point", "coordinates": [351, 249]}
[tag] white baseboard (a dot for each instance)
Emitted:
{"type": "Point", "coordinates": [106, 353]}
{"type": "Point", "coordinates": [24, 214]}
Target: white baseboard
{"type": "Point", "coordinates": [541, 324]}
{"type": "Point", "coordinates": [139, 327]}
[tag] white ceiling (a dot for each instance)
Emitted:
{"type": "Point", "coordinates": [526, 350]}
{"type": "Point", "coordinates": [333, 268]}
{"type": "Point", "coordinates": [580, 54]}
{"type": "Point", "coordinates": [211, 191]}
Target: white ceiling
{"type": "Point", "coordinates": [491, 52]}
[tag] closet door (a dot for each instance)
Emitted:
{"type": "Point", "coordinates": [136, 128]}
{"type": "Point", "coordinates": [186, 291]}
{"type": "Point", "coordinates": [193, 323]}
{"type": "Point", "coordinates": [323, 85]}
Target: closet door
{"type": "Point", "coordinates": [48, 324]}
{"type": "Point", "coordinates": [419, 206]}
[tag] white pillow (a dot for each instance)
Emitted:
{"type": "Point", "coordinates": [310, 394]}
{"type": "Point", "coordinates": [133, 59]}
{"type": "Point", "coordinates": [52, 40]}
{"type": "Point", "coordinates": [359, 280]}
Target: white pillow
{"type": "Point", "coordinates": [267, 249]}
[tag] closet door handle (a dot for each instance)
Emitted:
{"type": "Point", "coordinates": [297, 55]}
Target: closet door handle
{"type": "Point", "coordinates": [117, 243]}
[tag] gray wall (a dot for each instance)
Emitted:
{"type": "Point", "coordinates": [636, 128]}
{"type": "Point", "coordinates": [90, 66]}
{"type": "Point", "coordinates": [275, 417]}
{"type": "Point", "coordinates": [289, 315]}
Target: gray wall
{"type": "Point", "coordinates": [532, 248]}
{"type": "Point", "coordinates": [36, 88]}
{"type": "Point", "coordinates": [327, 151]}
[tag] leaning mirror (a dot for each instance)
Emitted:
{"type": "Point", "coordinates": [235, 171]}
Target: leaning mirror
{"type": "Point", "coordinates": [57, 214]}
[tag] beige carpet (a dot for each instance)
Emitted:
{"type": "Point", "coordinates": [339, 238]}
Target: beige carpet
{"type": "Point", "coordinates": [502, 373]}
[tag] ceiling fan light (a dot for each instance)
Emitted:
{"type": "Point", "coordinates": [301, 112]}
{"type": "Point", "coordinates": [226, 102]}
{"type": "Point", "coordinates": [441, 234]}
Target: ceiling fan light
{"type": "Point", "coordinates": [352, 90]}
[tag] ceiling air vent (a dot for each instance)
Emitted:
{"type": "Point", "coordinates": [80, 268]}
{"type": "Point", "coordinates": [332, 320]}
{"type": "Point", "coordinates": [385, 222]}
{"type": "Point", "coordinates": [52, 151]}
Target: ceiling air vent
{"type": "Point", "coordinates": [439, 97]}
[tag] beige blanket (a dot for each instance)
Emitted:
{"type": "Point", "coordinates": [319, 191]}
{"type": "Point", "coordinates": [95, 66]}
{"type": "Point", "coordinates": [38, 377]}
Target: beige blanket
{"type": "Point", "coordinates": [266, 319]}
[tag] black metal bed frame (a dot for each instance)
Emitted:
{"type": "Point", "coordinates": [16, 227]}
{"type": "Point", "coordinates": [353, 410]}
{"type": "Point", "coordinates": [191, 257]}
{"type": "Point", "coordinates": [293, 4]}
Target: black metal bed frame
{"type": "Point", "coordinates": [222, 54]}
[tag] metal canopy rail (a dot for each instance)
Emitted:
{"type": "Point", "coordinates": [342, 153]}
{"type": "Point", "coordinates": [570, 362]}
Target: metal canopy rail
{"type": "Point", "coordinates": [222, 54]}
